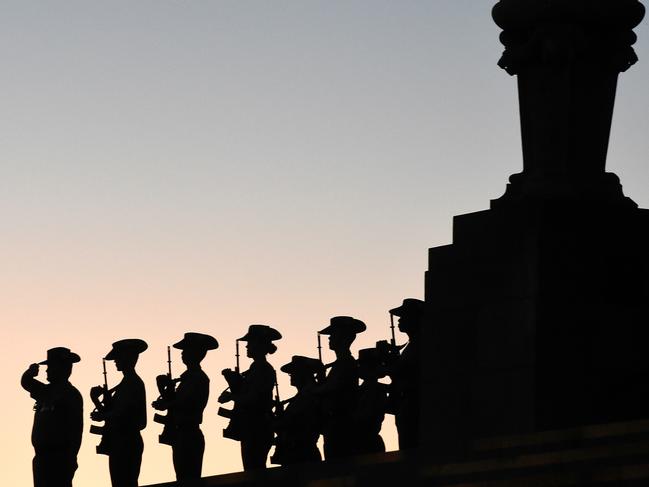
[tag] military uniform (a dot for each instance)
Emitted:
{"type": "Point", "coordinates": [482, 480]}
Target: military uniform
{"type": "Point", "coordinates": [254, 408]}
{"type": "Point", "coordinates": [253, 398]}
{"type": "Point", "coordinates": [189, 443]}
{"type": "Point", "coordinates": [125, 417]}
{"type": "Point", "coordinates": [58, 425]}
{"type": "Point", "coordinates": [406, 375]}
{"type": "Point", "coordinates": [372, 404]}
{"type": "Point", "coordinates": [406, 391]}
{"type": "Point", "coordinates": [187, 406]}
{"type": "Point", "coordinates": [340, 391]}
{"type": "Point", "coordinates": [298, 426]}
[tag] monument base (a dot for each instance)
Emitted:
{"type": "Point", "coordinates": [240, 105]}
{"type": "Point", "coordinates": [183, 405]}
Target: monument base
{"type": "Point", "coordinates": [611, 455]}
{"type": "Point", "coordinates": [538, 319]}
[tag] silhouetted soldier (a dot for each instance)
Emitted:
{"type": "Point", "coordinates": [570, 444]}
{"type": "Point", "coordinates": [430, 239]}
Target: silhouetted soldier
{"type": "Point", "coordinates": [405, 374]}
{"type": "Point", "coordinates": [126, 416]}
{"type": "Point", "coordinates": [252, 393]}
{"type": "Point", "coordinates": [372, 403]}
{"type": "Point", "coordinates": [187, 405]}
{"type": "Point", "coordinates": [298, 427]}
{"type": "Point", "coordinates": [58, 419]}
{"type": "Point", "coordinates": [340, 389]}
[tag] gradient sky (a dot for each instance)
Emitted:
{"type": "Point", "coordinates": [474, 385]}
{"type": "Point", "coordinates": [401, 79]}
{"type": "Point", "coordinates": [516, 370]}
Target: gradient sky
{"type": "Point", "coordinates": [172, 166]}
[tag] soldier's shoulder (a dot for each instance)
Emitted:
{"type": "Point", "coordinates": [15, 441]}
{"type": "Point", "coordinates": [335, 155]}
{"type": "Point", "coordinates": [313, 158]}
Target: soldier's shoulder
{"type": "Point", "coordinates": [201, 377]}
{"type": "Point", "coordinates": [262, 367]}
{"type": "Point", "coordinates": [74, 393]}
{"type": "Point", "coordinates": [132, 383]}
{"type": "Point", "coordinates": [348, 362]}
{"type": "Point", "coordinates": [266, 371]}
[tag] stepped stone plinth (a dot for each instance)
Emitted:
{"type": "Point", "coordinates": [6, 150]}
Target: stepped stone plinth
{"type": "Point", "coordinates": [539, 309]}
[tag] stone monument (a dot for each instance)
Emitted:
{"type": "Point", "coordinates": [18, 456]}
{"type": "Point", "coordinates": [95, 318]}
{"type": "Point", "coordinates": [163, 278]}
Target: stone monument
{"type": "Point", "coordinates": [537, 367]}
{"type": "Point", "coordinates": [539, 310]}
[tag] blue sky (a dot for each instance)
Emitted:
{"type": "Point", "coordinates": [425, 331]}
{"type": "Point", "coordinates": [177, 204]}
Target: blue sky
{"type": "Point", "coordinates": [172, 166]}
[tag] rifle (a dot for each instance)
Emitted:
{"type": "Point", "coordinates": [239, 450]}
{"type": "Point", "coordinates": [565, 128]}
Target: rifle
{"type": "Point", "coordinates": [167, 388]}
{"type": "Point", "coordinates": [319, 348]}
{"type": "Point", "coordinates": [321, 375]}
{"type": "Point", "coordinates": [278, 404]}
{"type": "Point", "coordinates": [389, 351]}
{"type": "Point", "coordinates": [280, 440]}
{"type": "Point", "coordinates": [236, 355]}
{"type": "Point", "coordinates": [101, 406]}
{"type": "Point", "coordinates": [388, 355]}
{"type": "Point", "coordinates": [234, 379]}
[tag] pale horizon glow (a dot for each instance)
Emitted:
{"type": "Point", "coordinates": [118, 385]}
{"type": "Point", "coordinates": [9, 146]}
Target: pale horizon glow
{"type": "Point", "coordinates": [201, 166]}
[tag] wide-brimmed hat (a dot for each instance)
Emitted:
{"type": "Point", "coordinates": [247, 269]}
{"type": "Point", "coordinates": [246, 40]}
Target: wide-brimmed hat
{"type": "Point", "coordinates": [409, 307]}
{"type": "Point", "coordinates": [343, 325]}
{"type": "Point", "coordinates": [299, 363]}
{"type": "Point", "coordinates": [368, 356]}
{"type": "Point", "coordinates": [61, 355]}
{"type": "Point", "coordinates": [197, 341]}
{"type": "Point", "coordinates": [261, 333]}
{"type": "Point", "coordinates": [127, 346]}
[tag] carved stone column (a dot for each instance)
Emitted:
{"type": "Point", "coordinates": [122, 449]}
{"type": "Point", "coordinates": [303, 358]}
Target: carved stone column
{"type": "Point", "coordinates": [567, 55]}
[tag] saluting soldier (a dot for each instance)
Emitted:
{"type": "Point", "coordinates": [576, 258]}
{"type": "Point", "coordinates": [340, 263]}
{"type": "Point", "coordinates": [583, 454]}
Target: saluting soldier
{"type": "Point", "coordinates": [405, 373]}
{"type": "Point", "coordinates": [339, 390]}
{"type": "Point", "coordinates": [372, 402]}
{"type": "Point", "coordinates": [187, 405]}
{"type": "Point", "coordinates": [126, 415]}
{"type": "Point", "coordinates": [298, 427]}
{"type": "Point", "coordinates": [58, 419]}
{"type": "Point", "coordinates": [252, 393]}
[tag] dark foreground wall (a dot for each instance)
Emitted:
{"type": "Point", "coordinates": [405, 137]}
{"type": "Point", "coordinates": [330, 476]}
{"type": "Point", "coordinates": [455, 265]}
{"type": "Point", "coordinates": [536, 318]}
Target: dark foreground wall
{"type": "Point", "coordinates": [615, 455]}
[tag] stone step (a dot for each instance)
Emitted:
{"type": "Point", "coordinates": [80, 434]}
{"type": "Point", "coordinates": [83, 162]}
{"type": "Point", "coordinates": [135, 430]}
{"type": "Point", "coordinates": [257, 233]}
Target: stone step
{"type": "Point", "coordinates": [612, 455]}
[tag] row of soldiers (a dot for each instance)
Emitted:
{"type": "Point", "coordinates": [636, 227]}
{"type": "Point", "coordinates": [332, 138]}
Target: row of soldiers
{"type": "Point", "coordinates": [330, 401]}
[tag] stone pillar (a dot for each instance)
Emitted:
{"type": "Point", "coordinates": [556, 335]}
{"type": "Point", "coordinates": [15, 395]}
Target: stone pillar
{"type": "Point", "coordinates": [539, 310]}
{"type": "Point", "coordinates": [567, 55]}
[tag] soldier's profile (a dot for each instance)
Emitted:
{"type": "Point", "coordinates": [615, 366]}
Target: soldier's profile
{"type": "Point", "coordinates": [185, 404]}
{"type": "Point", "coordinates": [405, 374]}
{"type": "Point", "coordinates": [298, 426]}
{"type": "Point", "coordinates": [252, 393]}
{"type": "Point", "coordinates": [123, 409]}
{"type": "Point", "coordinates": [339, 390]}
{"type": "Point", "coordinates": [58, 419]}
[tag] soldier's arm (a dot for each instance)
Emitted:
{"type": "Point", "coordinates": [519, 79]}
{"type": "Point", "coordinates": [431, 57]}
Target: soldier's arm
{"type": "Point", "coordinates": [30, 384]}
{"type": "Point", "coordinates": [331, 384]}
{"type": "Point", "coordinates": [257, 385]}
{"type": "Point", "coordinates": [338, 378]}
{"type": "Point", "coordinates": [75, 427]}
{"type": "Point", "coordinates": [121, 402]}
{"type": "Point", "coordinates": [185, 395]}
{"type": "Point", "coordinates": [168, 393]}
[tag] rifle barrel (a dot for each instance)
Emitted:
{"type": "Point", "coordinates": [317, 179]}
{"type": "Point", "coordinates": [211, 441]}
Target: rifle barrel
{"type": "Point", "coordinates": [393, 339]}
{"type": "Point", "coordinates": [236, 355]}
{"type": "Point", "coordinates": [319, 348]}
{"type": "Point", "coordinates": [169, 360]}
{"type": "Point", "coordinates": [103, 364]}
